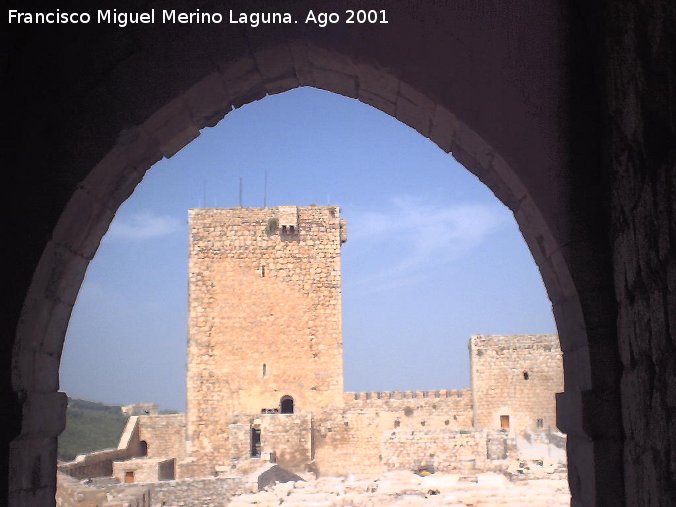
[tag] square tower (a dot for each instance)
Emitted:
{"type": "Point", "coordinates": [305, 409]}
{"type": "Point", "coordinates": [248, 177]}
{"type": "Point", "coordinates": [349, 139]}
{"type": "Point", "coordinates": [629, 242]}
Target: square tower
{"type": "Point", "coordinates": [514, 381]}
{"type": "Point", "coordinates": [265, 326]}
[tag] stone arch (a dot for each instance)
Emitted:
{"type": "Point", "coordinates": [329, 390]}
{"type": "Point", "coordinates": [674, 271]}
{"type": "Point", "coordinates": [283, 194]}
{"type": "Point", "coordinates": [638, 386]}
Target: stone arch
{"type": "Point", "coordinates": [269, 69]}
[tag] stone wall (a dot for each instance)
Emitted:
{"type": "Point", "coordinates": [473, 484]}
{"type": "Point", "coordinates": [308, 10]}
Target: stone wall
{"type": "Point", "coordinates": [289, 437]}
{"type": "Point", "coordinates": [515, 377]}
{"type": "Point", "coordinates": [346, 442]}
{"type": "Point", "coordinates": [70, 492]}
{"type": "Point", "coordinates": [639, 121]}
{"type": "Point", "coordinates": [215, 492]}
{"type": "Point", "coordinates": [442, 409]}
{"type": "Point", "coordinates": [440, 449]}
{"type": "Point", "coordinates": [164, 434]}
{"type": "Point", "coordinates": [94, 464]}
{"type": "Point", "coordinates": [264, 317]}
{"type": "Point", "coordinates": [73, 493]}
{"type": "Point", "coordinates": [144, 470]}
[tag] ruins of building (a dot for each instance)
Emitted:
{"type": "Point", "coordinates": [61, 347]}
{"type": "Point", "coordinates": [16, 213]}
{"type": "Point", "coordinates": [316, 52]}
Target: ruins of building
{"type": "Point", "coordinates": [265, 371]}
{"type": "Point", "coordinates": [141, 409]}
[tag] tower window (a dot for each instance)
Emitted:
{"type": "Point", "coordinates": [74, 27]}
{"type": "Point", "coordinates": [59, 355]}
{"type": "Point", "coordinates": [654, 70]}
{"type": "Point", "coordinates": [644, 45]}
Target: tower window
{"type": "Point", "coordinates": [262, 271]}
{"type": "Point", "coordinates": [504, 422]}
{"type": "Point", "coordinates": [525, 375]}
{"type": "Point", "coordinates": [540, 423]}
{"type": "Point", "coordinates": [265, 369]}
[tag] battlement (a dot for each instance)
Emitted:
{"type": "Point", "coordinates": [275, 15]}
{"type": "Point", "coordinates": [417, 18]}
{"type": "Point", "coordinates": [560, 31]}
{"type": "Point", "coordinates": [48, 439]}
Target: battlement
{"type": "Point", "coordinates": [277, 223]}
{"type": "Point", "coordinates": [351, 397]}
{"type": "Point", "coordinates": [498, 343]}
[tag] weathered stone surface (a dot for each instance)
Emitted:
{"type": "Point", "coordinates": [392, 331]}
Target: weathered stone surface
{"type": "Point", "coordinates": [514, 380]}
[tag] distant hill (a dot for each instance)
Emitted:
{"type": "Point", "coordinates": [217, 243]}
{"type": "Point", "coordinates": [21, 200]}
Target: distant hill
{"type": "Point", "coordinates": [90, 426]}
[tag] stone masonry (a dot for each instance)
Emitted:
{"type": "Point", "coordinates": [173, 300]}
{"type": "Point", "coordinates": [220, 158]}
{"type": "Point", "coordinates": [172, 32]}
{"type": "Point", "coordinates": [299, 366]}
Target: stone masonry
{"type": "Point", "coordinates": [265, 373]}
{"type": "Point", "coordinates": [264, 317]}
{"type": "Point", "coordinates": [514, 379]}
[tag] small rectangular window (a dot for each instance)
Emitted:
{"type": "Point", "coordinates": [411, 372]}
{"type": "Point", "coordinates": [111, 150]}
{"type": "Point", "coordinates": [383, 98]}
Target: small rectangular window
{"type": "Point", "coordinates": [504, 422]}
{"type": "Point", "coordinates": [540, 423]}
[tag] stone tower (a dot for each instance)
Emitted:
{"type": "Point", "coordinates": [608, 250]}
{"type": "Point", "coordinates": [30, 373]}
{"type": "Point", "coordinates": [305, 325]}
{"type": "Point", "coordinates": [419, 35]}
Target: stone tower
{"type": "Point", "coordinates": [264, 318]}
{"type": "Point", "coordinates": [514, 381]}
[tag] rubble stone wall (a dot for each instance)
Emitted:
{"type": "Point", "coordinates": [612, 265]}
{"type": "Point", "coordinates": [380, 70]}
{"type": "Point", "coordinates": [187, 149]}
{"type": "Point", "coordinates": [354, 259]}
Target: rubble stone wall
{"type": "Point", "coordinates": [346, 442]}
{"type": "Point", "coordinates": [94, 464]}
{"type": "Point", "coordinates": [164, 434]}
{"type": "Point", "coordinates": [517, 377]}
{"type": "Point", "coordinates": [289, 437]}
{"type": "Point", "coordinates": [145, 469]}
{"type": "Point", "coordinates": [442, 450]}
{"type": "Point", "coordinates": [264, 317]}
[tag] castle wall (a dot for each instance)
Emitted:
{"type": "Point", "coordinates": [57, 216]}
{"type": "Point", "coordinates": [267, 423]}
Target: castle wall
{"type": "Point", "coordinates": [289, 436]}
{"type": "Point", "coordinates": [376, 431]}
{"type": "Point", "coordinates": [165, 435]}
{"type": "Point", "coordinates": [442, 409]}
{"type": "Point", "coordinates": [440, 449]}
{"type": "Point", "coordinates": [515, 376]}
{"type": "Point", "coordinates": [145, 469]}
{"type": "Point", "coordinates": [346, 442]}
{"type": "Point", "coordinates": [264, 317]}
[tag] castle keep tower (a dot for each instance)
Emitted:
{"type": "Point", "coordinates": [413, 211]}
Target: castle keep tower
{"type": "Point", "coordinates": [264, 318]}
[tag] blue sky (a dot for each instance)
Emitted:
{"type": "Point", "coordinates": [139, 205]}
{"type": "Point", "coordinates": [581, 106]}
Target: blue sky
{"type": "Point", "coordinates": [431, 258]}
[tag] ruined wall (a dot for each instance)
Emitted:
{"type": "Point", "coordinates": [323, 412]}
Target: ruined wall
{"type": "Point", "coordinates": [440, 449]}
{"type": "Point", "coordinates": [639, 119]}
{"type": "Point", "coordinates": [264, 317]}
{"type": "Point", "coordinates": [70, 492]}
{"type": "Point", "coordinates": [145, 469]}
{"type": "Point", "coordinates": [164, 434]}
{"type": "Point", "coordinates": [376, 431]}
{"type": "Point", "coordinates": [288, 436]}
{"type": "Point", "coordinates": [515, 376]}
{"type": "Point", "coordinates": [141, 409]}
{"type": "Point", "coordinates": [94, 464]}
{"type": "Point", "coordinates": [346, 442]}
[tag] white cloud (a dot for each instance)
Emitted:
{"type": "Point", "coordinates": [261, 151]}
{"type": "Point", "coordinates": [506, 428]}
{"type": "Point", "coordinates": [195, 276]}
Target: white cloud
{"type": "Point", "coordinates": [142, 226]}
{"type": "Point", "coordinates": [419, 236]}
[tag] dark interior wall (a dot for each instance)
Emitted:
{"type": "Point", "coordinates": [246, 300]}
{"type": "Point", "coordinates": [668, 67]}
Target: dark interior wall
{"type": "Point", "coordinates": [577, 98]}
{"type": "Point", "coordinates": [638, 82]}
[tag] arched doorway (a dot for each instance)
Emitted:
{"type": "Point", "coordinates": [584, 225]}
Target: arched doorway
{"type": "Point", "coordinates": [523, 166]}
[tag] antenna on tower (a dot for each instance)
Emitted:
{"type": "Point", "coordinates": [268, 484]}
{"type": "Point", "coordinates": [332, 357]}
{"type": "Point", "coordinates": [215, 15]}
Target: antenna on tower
{"type": "Point", "coordinates": [265, 190]}
{"type": "Point", "coordinates": [240, 191]}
